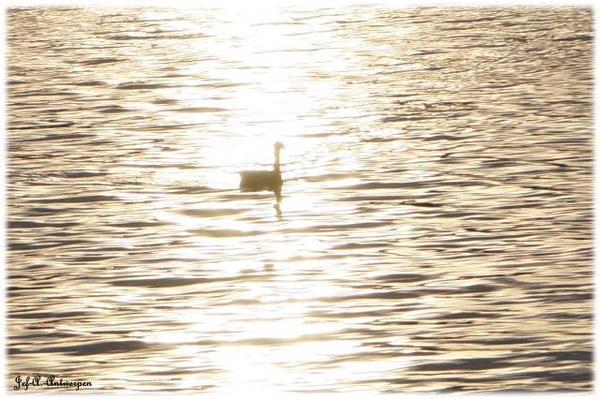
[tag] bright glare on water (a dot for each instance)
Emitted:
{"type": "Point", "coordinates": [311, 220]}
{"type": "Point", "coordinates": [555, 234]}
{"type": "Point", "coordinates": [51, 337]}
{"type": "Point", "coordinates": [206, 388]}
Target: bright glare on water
{"type": "Point", "coordinates": [435, 232]}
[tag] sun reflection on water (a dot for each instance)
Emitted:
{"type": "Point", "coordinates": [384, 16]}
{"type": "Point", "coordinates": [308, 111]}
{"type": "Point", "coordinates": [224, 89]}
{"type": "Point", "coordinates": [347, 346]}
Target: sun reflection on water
{"type": "Point", "coordinates": [406, 214]}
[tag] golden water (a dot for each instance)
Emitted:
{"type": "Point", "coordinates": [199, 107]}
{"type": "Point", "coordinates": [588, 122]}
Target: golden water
{"type": "Point", "coordinates": [435, 231]}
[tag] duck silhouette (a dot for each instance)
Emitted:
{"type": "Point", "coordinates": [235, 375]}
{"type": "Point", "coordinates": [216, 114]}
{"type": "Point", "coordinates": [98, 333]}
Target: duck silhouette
{"type": "Point", "coordinates": [264, 180]}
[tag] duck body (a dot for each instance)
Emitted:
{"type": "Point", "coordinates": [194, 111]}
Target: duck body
{"type": "Point", "coordinates": [264, 180]}
{"type": "Point", "coordinates": [260, 180]}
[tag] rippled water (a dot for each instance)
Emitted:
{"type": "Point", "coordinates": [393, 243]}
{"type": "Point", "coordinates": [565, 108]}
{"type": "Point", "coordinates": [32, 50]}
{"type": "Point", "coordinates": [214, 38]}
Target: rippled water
{"type": "Point", "coordinates": [435, 231]}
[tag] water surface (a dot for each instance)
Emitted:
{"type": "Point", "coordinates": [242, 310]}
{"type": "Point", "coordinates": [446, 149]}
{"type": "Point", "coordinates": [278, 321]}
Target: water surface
{"type": "Point", "coordinates": [435, 232]}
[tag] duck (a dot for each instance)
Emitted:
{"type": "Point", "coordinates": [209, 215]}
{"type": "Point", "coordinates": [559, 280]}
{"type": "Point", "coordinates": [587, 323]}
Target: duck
{"type": "Point", "coordinates": [264, 180]}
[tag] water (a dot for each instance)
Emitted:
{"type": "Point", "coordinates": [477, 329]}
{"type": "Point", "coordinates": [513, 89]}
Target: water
{"type": "Point", "coordinates": [435, 233]}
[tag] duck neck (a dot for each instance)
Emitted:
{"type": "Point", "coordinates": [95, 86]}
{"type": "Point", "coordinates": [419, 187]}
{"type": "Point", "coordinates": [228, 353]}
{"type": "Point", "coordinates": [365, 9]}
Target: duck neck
{"type": "Point", "coordinates": [276, 163]}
